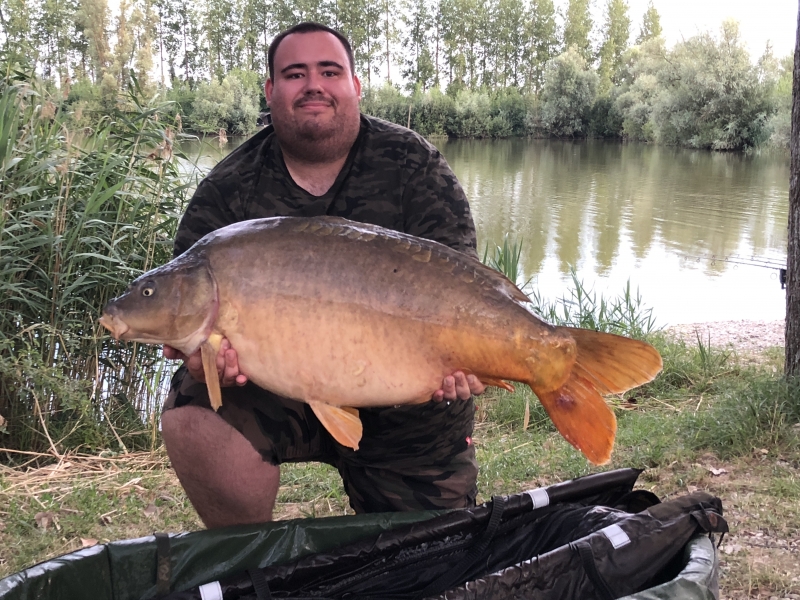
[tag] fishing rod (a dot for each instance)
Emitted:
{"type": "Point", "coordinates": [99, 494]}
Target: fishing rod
{"type": "Point", "coordinates": [752, 261]}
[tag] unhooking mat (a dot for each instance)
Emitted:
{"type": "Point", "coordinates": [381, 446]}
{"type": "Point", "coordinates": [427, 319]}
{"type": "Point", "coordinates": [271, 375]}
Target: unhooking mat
{"type": "Point", "coordinates": [592, 537]}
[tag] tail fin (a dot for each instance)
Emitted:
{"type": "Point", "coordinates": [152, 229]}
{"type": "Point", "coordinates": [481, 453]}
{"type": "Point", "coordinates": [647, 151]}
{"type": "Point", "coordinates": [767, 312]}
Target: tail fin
{"type": "Point", "coordinates": [614, 364]}
{"type": "Point", "coordinates": [606, 364]}
{"type": "Point", "coordinates": [582, 416]}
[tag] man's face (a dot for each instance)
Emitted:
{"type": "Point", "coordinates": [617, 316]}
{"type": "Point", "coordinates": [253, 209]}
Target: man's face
{"type": "Point", "coordinates": [313, 95]}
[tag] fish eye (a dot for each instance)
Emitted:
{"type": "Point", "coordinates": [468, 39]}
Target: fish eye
{"type": "Point", "coordinates": [148, 291]}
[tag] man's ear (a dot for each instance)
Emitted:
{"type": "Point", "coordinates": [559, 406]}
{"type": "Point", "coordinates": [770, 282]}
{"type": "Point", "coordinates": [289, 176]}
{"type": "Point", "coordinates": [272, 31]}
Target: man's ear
{"type": "Point", "coordinates": [357, 85]}
{"type": "Point", "coordinates": [268, 89]}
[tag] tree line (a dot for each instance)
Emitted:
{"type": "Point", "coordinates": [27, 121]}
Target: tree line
{"type": "Point", "coordinates": [479, 68]}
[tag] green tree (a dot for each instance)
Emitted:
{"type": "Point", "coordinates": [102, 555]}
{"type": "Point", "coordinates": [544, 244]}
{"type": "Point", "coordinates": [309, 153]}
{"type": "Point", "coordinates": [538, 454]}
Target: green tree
{"type": "Point", "coordinates": [542, 43]}
{"type": "Point", "coordinates": [15, 19]}
{"type": "Point", "coordinates": [222, 28]}
{"type": "Point", "coordinates": [231, 105]}
{"type": "Point", "coordinates": [360, 21]}
{"type": "Point", "coordinates": [93, 17]}
{"type": "Point", "coordinates": [418, 62]}
{"type": "Point", "coordinates": [639, 88]}
{"type": "Point", "coordinates": [651, 25]}
{"type": "Point", "coordinates": [616, 32]}
{"type": "Point", "coordinates": [711, 94]}
{"type": "Point", "coordinates": [510, 41]}
{"type": "Point", "coordinates": [54, 31]}
{"type": "Point", "coordinates": [578, 28]}
{"type": "Point", "coordinates": [568, 95]}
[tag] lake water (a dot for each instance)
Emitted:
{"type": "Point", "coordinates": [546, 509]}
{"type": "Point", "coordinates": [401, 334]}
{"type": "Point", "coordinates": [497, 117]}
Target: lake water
{"type": "Point", "coordinates": [700, 234]}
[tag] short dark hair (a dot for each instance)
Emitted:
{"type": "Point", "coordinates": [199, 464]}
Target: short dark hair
{"type": "Point", "coordinates": [307, 27]}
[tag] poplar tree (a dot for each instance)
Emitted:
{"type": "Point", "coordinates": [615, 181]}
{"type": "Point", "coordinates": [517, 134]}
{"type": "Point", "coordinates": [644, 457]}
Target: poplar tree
{"type": "Point", "coordinates": [222, 28]}
{"type": "Point", "coordinates": [54, 29]}
{"type": "Point", "coordinates": [418, 62]}
{"type": "Point", "coordinates": [578, 28]}
{"type": "Point", "coordinates": [15, 19]}
{"type": "Point", "coordinates": [616, 32]}
{"type": "Point", "coordinates": [651, 25]}
{"type": "Point", "coordinates": [543, 43]}
{"type": "Point", "coordinates": [94, 21]}
{"type": "Point", "coordinates": [511, 41]}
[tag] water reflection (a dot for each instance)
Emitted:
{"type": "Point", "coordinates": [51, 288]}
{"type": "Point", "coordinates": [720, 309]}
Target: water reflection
{"type": "Point", "coordinates": [632, 211]}
{"type": "Point", "coordinates": [651, 214]}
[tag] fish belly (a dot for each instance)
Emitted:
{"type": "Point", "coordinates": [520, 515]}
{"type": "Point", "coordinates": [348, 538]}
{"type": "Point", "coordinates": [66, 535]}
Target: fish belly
{"type": "Point", "coordinates": [339, 354]}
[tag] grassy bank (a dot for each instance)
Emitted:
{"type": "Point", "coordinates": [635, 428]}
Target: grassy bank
{"type": "Point", "coordinates": [712, 421]}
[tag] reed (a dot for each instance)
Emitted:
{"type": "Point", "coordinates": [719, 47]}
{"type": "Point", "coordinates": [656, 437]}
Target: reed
{"type": "Point", "coordinates": [83, 213]}
{"type": "Point", "coordinates": [582, 307]}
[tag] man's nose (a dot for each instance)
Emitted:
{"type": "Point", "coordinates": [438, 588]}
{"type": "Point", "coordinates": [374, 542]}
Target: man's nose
{"type": "Point", "coordinates": [313, 83]}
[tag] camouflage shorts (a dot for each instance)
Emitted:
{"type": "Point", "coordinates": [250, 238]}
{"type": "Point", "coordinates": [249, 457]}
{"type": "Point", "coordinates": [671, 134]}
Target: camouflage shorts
{"type": "Point", "coordinates": [410, 458]}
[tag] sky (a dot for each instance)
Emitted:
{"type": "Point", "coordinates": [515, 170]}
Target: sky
{"type": "Point", "coordinates": [759, 20]}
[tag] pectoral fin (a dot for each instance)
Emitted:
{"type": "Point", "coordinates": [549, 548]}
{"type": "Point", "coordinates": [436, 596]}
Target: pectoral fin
{"type": "Point", "coordinates": [342, 423]}
{"type": "Point", "coordinates": [497, 383]}
{"type": "Point", "coordinates": [208, 351]}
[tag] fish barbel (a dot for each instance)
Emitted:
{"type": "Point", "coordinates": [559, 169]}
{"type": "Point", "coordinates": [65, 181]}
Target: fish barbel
{"type": "Point", "coordinates": [343, 315]}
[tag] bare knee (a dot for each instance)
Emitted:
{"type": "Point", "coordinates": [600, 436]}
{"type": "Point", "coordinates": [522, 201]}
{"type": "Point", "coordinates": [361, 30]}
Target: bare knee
{"type": "Point", "coordinates": [225, 478]}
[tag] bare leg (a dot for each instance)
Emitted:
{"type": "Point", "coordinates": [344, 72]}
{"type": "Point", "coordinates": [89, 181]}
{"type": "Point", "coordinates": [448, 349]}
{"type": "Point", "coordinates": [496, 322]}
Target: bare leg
{"type": "Point", "coordinates": [226, 480]}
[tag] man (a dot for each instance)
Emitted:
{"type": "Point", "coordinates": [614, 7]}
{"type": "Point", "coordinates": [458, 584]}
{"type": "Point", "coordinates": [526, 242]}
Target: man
{"type": "Point", "coordinates": [321, 156]}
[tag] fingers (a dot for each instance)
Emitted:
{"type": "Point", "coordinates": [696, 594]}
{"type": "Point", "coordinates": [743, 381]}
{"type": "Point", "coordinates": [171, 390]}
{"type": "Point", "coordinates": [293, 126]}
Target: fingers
{"type": "Point", "coordinates": [227, 362]}
{"type": "Point", "coordinates": [459, 387]}
{"type": "Point", "coordinates": [172, 353]}
{"type": "Point", "coordinates": [228, 366]}
{"type": "Point", "coordinates": [476, 388]}
{"type": "Point", "coordinates": [194, 364]}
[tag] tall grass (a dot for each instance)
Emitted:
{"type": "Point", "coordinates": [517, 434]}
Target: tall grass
{"type": "Point", "coordinates": [83, 213]}
{"type": "Point", "coordinates": [625, 314]}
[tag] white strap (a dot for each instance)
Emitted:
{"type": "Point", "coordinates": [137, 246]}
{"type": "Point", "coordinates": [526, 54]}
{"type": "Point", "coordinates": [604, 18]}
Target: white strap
{"type": "Point", "coordinates": [616, 536]}
{"type": "Point", "coordinates": [211, 591]}
{"type": "Point", "coordinates": [539, 496]}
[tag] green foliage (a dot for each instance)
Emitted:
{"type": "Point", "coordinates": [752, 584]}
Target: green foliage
{"type": "Point", "coordinates": [568, 95]}
{"type": "Point", "coordinates": [748, 414]}
{"type": "Point", "coordinates": [505, 259]}
{"type": "Point", "coordinates": [711, 96]}
{"type": "Point", "coordinates": [232, 105]}
{"type": "Point", "coordinates": [651, 25]}
{"type": "Point", "coordinates": [780, 123]}
{"type": "Point", "coordinates": [81, 217]}
{"type": "Point", "coordinates": [616, 32]}
{"type": "Point", "coordinates": [623, 315]}
{"type": "Point", "coordinates": [578, 28]}
{"type": "Point", "coordinates": [476, 114]}
{"type": "Point", "coordinates": [605, 119]}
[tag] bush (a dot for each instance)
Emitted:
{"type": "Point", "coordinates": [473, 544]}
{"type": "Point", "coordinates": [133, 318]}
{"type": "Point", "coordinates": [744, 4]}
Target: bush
{"type": "Point", "coordinates": [232, 105]}
{"type": "Point", "coordinates": [712, 97]}
{"type": "Point", "coordinates": [568, 95]}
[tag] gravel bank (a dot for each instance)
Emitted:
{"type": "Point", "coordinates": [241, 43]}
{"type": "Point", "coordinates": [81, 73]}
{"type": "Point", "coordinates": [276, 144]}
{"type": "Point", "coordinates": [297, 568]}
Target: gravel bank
{"type": "Point", "coordinates": [743, 336]}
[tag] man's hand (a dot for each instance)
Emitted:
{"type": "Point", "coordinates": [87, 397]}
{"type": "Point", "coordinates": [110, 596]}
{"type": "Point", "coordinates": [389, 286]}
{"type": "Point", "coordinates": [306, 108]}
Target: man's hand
{"type": "Point", "coordinates": [227, 364]}
{"type": "Point", "coordinates": [459, 386]}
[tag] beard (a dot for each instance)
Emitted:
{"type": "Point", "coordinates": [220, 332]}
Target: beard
{"type": "Point", "coordinates": [317, 138]}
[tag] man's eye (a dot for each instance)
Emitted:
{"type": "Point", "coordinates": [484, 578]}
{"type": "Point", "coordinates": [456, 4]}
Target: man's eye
{"type": "Point", "coordinates": [294, 76]}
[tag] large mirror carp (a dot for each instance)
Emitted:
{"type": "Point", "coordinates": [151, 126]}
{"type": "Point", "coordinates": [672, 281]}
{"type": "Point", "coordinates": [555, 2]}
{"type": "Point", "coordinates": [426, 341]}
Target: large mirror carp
{"type": "Point", "coordinates": [341, 315]}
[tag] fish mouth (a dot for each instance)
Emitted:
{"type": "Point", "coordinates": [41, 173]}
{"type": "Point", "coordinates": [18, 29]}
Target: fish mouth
{"type": "Point", "coordinates": [115, 325]}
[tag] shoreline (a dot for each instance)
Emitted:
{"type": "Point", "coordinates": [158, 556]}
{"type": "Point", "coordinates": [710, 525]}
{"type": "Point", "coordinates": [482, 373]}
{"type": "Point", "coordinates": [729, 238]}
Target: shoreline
{"type": "Point", "coordinates": [743, 335]}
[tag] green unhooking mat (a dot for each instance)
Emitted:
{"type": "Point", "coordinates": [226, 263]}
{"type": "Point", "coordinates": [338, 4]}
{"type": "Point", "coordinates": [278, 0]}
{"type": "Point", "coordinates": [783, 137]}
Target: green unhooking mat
{"type": "Point", "coordinates": [592, 537]}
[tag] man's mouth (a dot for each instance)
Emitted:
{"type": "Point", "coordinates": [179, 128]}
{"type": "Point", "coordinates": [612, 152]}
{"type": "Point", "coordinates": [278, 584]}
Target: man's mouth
{"type": "Point", "coordinates": [317, 103]}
